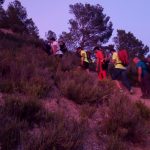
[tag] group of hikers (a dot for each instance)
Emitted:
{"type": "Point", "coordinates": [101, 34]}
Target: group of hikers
{"type": "Point", "coordinates": [114, 64]}
{"type": "Point", "coordinates": [54, 47]}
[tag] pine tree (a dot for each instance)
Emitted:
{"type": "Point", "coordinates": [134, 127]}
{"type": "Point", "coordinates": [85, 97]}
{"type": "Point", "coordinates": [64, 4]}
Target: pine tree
{"type": "Point", "coordinates": [89, 27]}
{"type": "Point", "coordinates": [128, 41]}
{"type": "Point", "coordinates": [50, 34]}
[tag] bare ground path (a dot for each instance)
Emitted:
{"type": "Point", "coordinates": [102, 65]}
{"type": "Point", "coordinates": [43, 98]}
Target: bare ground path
{"type": "Point", "coordinates": [136, 97]}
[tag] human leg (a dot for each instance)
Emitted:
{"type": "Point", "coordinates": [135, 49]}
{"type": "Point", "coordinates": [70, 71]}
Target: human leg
{"type": "Point", "coordinates": [118, 84]}
{"type": "Point", "coordinates": [100, 77]}
{"type": "Point", "coordinates": [104, 74]}
{"type": "Point", "coordinates": [116, 75]}
{"type": "Point", "coordinates": [125, 80]}
{"type": "Point", "coordinates": [86, 66]}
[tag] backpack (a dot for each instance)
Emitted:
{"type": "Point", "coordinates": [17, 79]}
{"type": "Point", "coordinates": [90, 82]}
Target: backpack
{"type": "Point", "coordinates": [123, 56]}
{"type": "Point", "coordinates": [88, 54]}
{"type": "Point", "coordinates": [63, 48]}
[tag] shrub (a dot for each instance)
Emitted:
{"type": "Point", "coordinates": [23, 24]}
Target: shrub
{"type": "Point", "coordinates": [125, 121]}
{"type": "Point", "coordinates": [25, 124]}
{"type": "Point", "coordinates": [69, 61]}
{"type": "Point", "coordinates": [57, 134]}
{"type": "Point", "coordinates": [52, 62]}
{"type": "Point", "coordinates": [10, 42]}
{"type": "Point", "coordinates": [39, 86]}
{"type": "Point", "coordinates": [6, 86]}
{"type": "Point", "coordinates": [23, 109]}
{"type": "Point", "coordinates": [9, 133]}
{"type": "Point", "coordinates": [87, 111]}
{"type": "Point", "coordinates": [23, 71]}
{"type": "Point", "coordinates": [114, 143]}
{"type": "Point", "coordinates": [83, 88]}
{"type": "Point", "coordinates": [144, 111]}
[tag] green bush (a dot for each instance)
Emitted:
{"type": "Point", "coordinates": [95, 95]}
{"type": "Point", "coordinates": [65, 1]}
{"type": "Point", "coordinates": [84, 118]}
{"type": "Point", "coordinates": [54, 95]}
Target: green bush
{"type": "Point", "coordinates": [69, 61]}
{"type": "Point", "coordinates": [29, 74]}
{"type": "Point", "coordinates": [114, 143]}
{"type": "Point", "coordinates": [26, 124]}
{"type": "Point", "coordinates": [39, 87]}
{"type": "Point", "coordinates": [87, 111]}
{"type": "Point", "coordinates": [83, 88]}
{"type": "Point", "coordinates": [59, 134]}
{"type": "Point", "coordinates": [23, 71]}
{"type": "Point", "coordinates": [52, 62]}
{"type": "Point", "coordinates": [10, 42]}
{"type": "Point", "coordinates": [23, 109]}
{"type": "Point", "coordinates": [6, 86]}
{"type": "Point", "coordinates": [10, 131]}
{"type": "Point", "coordinates": [125, 121]}
{"type": "Point", "coordinates": [144, 111]}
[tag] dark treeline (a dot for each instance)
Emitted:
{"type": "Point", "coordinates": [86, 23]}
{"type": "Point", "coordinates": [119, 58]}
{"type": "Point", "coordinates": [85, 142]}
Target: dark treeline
{"type": "Point", "coordinates": [88, 28]}
{"type": "Point", "coordinates": [16, 19]}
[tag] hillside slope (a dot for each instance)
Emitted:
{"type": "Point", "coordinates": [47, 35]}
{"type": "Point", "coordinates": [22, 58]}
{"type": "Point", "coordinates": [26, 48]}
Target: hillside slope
{"type": "Point", "coordinates": [48, 103]}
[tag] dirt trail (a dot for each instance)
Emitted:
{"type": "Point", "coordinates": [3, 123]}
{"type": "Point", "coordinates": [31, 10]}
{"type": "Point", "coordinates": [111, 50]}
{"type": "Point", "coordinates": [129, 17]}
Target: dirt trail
{"type": "Point", "coordinates": [136, 96]}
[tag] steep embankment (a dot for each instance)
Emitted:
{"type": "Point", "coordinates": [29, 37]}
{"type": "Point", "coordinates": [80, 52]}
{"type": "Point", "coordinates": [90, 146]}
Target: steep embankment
{"type": "Point", "coordinates": [48, 103]}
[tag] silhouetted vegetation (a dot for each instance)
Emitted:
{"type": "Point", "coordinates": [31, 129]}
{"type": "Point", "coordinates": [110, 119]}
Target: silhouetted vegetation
{"type": "Point", "coordinates": [30, 80]}
{"type": "Point", "coordinates": [15, 18]}
{"type": "Point", "coordinates": [125, 122]}
{"type": "Point", "coordinates": [88, 20]}
{"type": "Point", "coordinates": [81, 88]}
{"type": "Point", "coordinates": [128, 41]}
{"type": "Point", "coordinates": [25, 123]}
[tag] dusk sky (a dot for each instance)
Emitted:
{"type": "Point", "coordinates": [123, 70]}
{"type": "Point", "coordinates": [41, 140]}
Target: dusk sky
{"type": "Point", "coordinates": [130, 15]}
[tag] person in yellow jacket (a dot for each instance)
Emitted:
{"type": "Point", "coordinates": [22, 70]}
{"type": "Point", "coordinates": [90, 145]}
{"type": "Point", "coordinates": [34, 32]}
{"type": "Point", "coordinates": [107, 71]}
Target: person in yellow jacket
{"type": "Point", "coordinates": [119, 73]}
{"type": "Point", "coordinates": [84, 59]}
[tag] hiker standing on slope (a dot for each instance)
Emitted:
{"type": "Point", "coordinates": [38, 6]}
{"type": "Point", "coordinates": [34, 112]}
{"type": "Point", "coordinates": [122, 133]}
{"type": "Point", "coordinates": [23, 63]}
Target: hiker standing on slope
{"type": "Point", "coordinates": [119, 72]}
{"type": "Point", "coordinates": [55, 47]}
{"type": "Point", "coordinates": [84, 60]}
{"type": "Point", "coordinates": [62, 46]}
{"type": "Point", "coordinates": [100, 63]}
{"type": "Point", "coordinates": [143, 77]}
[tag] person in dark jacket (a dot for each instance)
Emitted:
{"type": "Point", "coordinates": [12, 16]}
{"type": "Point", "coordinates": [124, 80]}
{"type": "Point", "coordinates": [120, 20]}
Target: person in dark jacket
{"type": "Point", "coordinates": [62, 46]}
{"type": "Point", "coordinates": [143, 77]}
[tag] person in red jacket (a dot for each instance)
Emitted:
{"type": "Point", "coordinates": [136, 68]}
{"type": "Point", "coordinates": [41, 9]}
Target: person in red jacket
{"type": "Point", "coordinates": [100, 63]}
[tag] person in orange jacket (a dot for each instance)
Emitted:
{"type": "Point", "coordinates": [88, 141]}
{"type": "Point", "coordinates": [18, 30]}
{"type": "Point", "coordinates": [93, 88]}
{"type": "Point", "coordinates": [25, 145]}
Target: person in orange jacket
{"type": "Point", "coordinates": [100, 60]}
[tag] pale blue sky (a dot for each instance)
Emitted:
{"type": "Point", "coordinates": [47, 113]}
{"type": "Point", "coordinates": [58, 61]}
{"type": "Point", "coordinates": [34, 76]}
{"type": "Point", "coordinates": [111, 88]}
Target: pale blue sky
{"type": "Point", "coordinates": [130, 15]}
